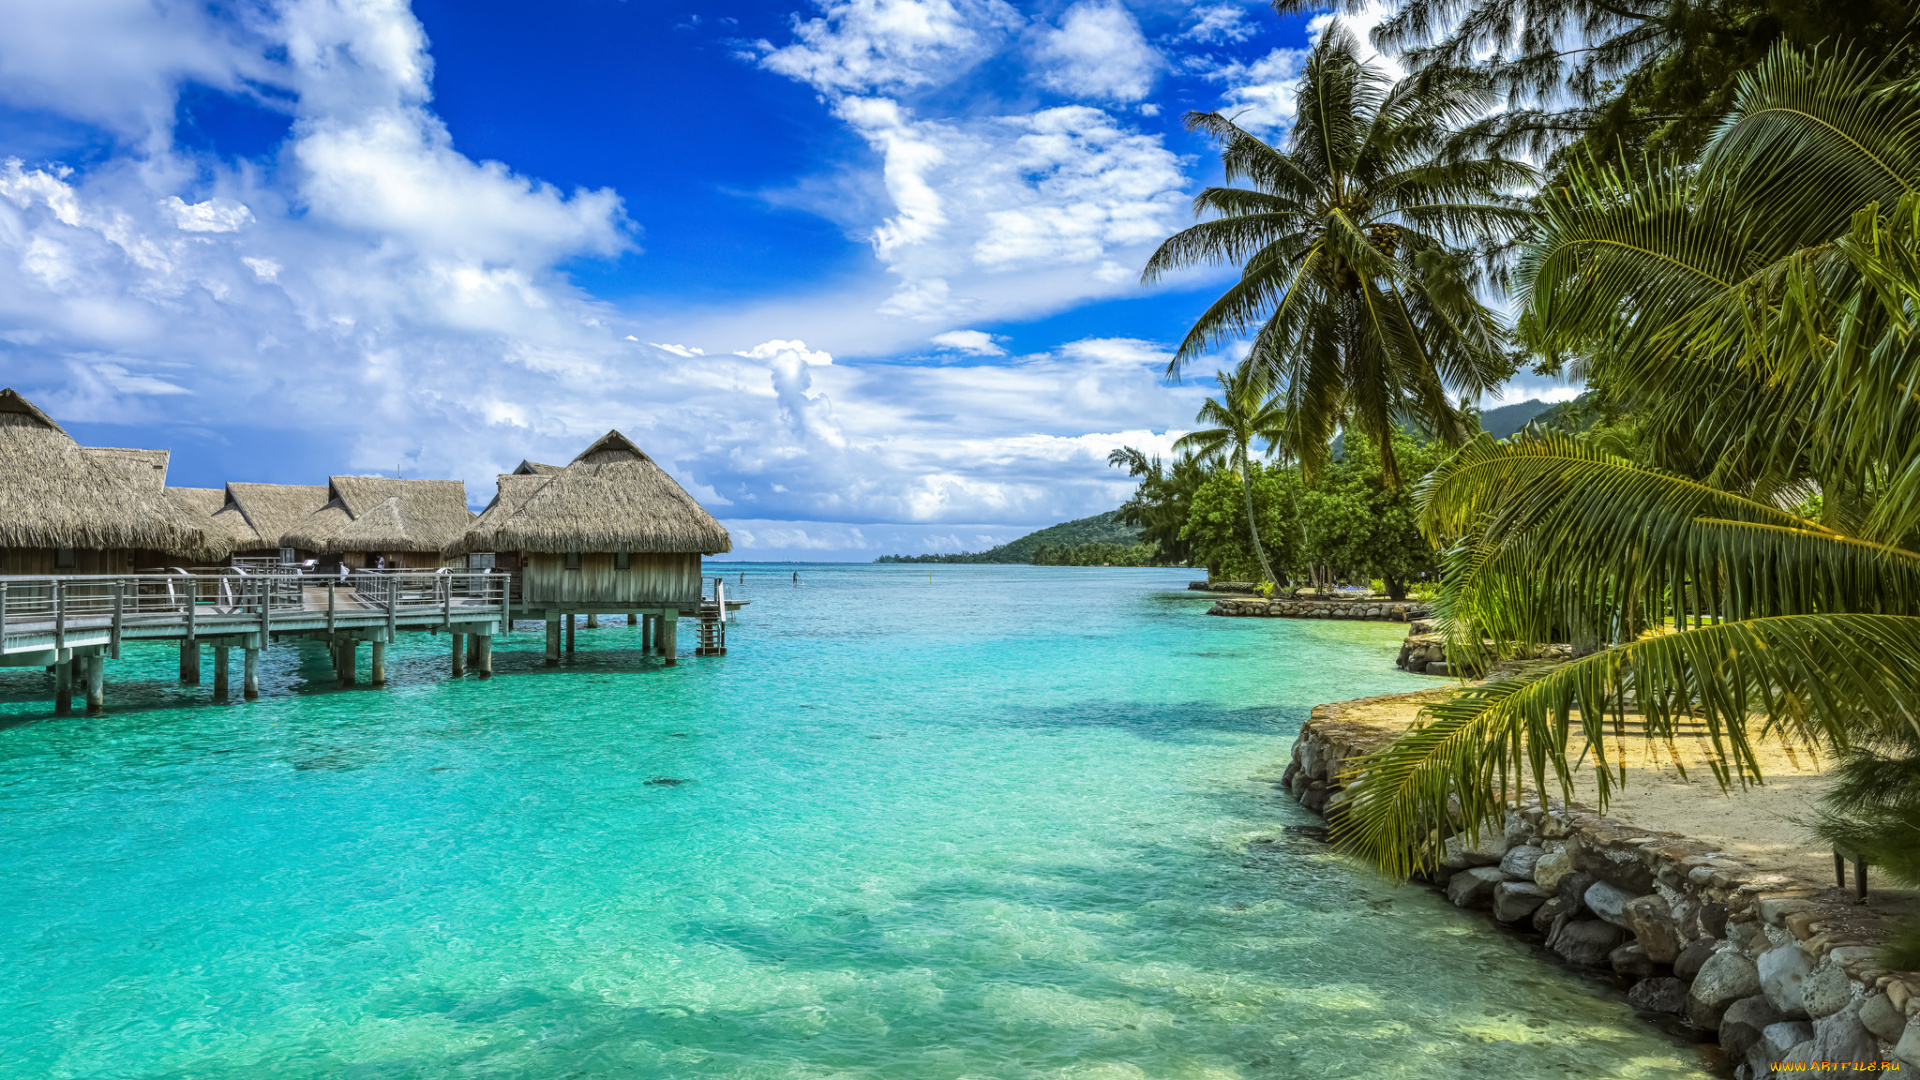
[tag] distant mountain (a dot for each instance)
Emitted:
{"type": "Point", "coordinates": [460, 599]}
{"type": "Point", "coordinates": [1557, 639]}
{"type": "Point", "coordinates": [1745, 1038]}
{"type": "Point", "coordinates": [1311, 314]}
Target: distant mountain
{"type": "Point", "coordinates": [1104, 528]}
{"type": "Point", "coordinates": [1508, 419]}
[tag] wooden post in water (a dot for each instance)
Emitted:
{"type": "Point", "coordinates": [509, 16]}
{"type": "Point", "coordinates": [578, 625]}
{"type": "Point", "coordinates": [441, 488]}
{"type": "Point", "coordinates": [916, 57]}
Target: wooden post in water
{"type": "Point", "coordinates": [633, 621]}
{"type": "Point", "coordinates": [250, 679]}
{"type": "Point", "coordinates": [63, 687]}
{"type": "Point", "coordinates": [646, 634]}
{"type": "Point", "coordinates": [593, 622]}
{"type": "Point", "coordinates": [669, 638]}
{"type": "Point", "coordinates": [483, 655]}
{"type": "Point", "coordinates": [222, 670]}
{"type": "Point", "coordinates": [96, 685]}
{"type": "Point", "coordinates": [573, 621]}
{"type": "Point", "coordinates": [459, 654]}
{"type": "Point", "coordinates": [190, 661]}
{"type": "Point", "coordinates": [553, 638]}
{"type": "Point", "coordinates": [377, 663]}
{"type": "Point", "coordinates": [349, 659]}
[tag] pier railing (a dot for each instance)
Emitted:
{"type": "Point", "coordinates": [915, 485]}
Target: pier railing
{"type": "Point", "coordinates": [234, 601]}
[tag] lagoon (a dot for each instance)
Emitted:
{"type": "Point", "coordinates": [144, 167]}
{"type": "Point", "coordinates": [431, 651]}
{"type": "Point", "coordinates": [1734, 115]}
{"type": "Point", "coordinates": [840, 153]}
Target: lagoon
{"type": "Point", "coordinates": [983, 821]}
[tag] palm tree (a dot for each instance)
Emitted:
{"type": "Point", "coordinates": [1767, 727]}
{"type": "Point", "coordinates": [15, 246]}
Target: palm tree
{"type": "Point", "coordinates": [1364, 248]}
{"type": "Point", "coordinates": [1761, 575]}
{"type": "Point", "coordinates": [1243, 414]}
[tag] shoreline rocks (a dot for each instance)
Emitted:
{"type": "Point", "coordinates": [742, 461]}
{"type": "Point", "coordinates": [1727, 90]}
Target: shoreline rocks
{"type": "Point", "coordinates": [1373, 609]}
{"type": "Point", "coordinates": [1774, 969]}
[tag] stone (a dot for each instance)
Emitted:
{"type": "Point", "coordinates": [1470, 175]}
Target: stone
{"type": "Point", "coordinates": [1725, 978]}
{"type": "Point", "coordinates": [1778, 1040]}
{"type": "Point", "coordinates": [1460, 855]}
{"type": "Point", "coordinates": [1745, 1019]}
{"type": "Point", "coordinates": [1574, 887]}
{"type": "Point", "coordinates": [1687, 964]}
{"type": "Point", "coordinates": [1801, 1055]}
{"type": "Point", "coordinates": [1907, 1047]}
{"type": "Point", "coordinates": [1898, 993]}
{"type": "Point", "coordinates": [1631, 960]}
{"type": "Point", "coordinates": [1713, 919]}
{"type": "Point", "coordinates": [1881, 1018]}
{"type": "Point", "coordinates": [1516, 900]}
{"type": "Point", "coordinates": [1826, 991]}
{"type": "Point", "coordinates": [1609, 902]}
{"type": "Point", "coordinates": [1520, 860]}
{"type": "Point", "coordinates": [1651, 920]}
{"type": "Point", "coordinates": [1437, 668]}
{"type": "Point", "coordinates": [1743, 933]}
{"type": "Point", "coordinates": [1585, 941]}
{"type": "Point", "coordinates": [1550, 867]}
{"type": "Point", "coordinates": [1842, 1037]}
{"type": "Point", "coordinates": [1783, 977]}
{"type": "Point", "coordinates": [1474, 888]}
{"type": "Point", "coordinates": [1663, 995]}
{"type": "Point", "coordinates": [1315, 796]}
{"type": "Point", "coordinates": [1557, 907]}
{"type": "Point", "coordinates": [1775, 909]}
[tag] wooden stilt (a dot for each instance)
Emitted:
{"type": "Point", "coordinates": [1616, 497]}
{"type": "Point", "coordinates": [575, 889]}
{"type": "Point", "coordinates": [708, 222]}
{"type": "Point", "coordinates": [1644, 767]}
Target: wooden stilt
{"type": "Point", "coordinates": [377, 663]}
{"type": "Point", "coordinates": [646, 634]}
{"type": "Point", "coordinates": [669, 644]}
{"type": "Point", "coordinates": [572, 621]}
{"type": "Point", "coordinates": [63, 688]}
{"type": "Point", "coordinates": [96, 685]}
{"type": "Point", "coordinates": [190, 661]}
{"type": "Point", "coordinates": [593, 622]}
{"type": "Point", "coordinates": [483, 655]}
{"type": "Point", "coordinates": [349, 660]}
{"type": "Point", "coordinates": [632, 621]}
{"type": "Point", "coordinates": [553, 639]}
{"type": "Point", "coordinates": [250, 680]}
{"type": "Point", "coordinates": [459, 654]}
{"type": "Point", "coordinates": [222, 666]}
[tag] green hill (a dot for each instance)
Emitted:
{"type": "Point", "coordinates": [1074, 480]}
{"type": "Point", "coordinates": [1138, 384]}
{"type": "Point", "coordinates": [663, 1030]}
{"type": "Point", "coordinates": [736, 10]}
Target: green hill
{"type": "Point", "coordinates": [1507, 419]}
{"type": "Point", "coordinates": [1104, 528]}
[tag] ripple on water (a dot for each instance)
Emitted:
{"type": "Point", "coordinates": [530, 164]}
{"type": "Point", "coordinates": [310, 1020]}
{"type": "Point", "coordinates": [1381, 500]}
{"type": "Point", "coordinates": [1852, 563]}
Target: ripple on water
{"type": "Point", "coordinates": [1007, 824]}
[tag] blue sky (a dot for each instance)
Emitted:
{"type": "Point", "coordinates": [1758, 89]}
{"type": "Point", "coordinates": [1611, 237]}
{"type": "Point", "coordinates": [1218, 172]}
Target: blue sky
{"type": "Point", "coordinates": [861, 273]}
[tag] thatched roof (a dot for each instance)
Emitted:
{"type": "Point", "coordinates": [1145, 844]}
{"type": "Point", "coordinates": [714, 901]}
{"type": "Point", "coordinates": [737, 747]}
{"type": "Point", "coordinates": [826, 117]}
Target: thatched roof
{"type": "Point", "coordinates": [378, 513]}
{"type": "Point", "coordinates": [53, 494]}
{"type": "Point", "coordinates": [275, 510]}
{"type": "Point", "coordinates": [145, 468]}
{"type": "Point", "coordinates": [534, 468]}
{"type": "Point", "coordinates": [613, 497]}
{"type": "Point", "coordinates": [213, 508]}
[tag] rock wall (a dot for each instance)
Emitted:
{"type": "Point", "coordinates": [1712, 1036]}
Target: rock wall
{"type": "Point", "coordinates": [1378, 610]}
{"type": "Point", "coordinates": [1425, 652]}
{"type": "Point", "coordinates": [1772, 968]}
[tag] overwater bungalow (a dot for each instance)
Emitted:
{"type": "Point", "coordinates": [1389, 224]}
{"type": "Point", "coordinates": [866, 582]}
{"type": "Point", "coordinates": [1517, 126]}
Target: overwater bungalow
{"type": "Point", "coordinates": [367, 519]}
{"type": "Point", "coordinates": [69, 509]}
{"type": "Point", "coordinates": [608, 533]}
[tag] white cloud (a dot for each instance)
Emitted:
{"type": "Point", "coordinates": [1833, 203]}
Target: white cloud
{"type": "Point", "coordinates": [677, 350]}
{"type": "Point", "coordinates": [1098, 54]}
{"type": "Point", "coordinates": [212, 216]}
{"type": "Point", "coordinates": [1220, 24]}
{"type": "Point", "coordinates": [1260, 96]}
{"type": "Point", "coordinates": [972, 342]}
{"type": "Point", "coordinates": [863, 46]}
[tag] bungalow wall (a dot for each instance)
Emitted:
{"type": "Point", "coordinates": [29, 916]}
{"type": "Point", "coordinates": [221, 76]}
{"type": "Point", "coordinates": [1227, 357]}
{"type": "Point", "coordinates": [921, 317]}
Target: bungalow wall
{"type": "Point", "coordinates": [649, 580]}
{"type": "Point", "coordinates": [41, 561]}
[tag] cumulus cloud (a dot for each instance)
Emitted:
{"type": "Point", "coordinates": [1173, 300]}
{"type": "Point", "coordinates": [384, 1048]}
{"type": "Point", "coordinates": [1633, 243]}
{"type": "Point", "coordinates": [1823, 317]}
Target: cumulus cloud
{"type": "Point", "coordinates": [214, 215]}
{"type": "Point", "coordinates": [1261, 96]}
{"type": "Point", "coordinates": [1219, 24]}
{"type": "Point", "coordinates": [890, 45]}
{"type": "Point", "coordinates": [972, 342]}
{"type": "Point", "coordinates": [1099, 54]}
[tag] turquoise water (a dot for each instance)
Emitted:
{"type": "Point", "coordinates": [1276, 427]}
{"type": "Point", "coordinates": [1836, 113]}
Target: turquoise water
{"type": "Point", "coordinates": [1010, 822]}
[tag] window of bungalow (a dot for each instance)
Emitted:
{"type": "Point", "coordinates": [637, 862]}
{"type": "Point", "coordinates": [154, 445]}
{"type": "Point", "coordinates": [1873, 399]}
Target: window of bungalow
{"type": "Point", "coordinates": [65, 558]}
{"type": "Point", "coordinates": [572, 560]}
{"type": "Point", "coordinates": [622, 560]}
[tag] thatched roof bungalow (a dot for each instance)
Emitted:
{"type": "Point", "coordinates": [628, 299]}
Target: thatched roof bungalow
{"type": "Point", "coordinates": [66, 509]}
{"type": "Point", "coordinates": [365, 518]}
{"type": "Point", "coordinates": [609, 532]}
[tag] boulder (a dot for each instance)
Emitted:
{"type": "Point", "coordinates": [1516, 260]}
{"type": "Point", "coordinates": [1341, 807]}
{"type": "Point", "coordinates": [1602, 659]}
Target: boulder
{"type": "Point", "coordinates": [1609, 902]}
{"type": "Point", "coordinates": [1664, 995]}
{"type": "Point", "coordinates": [1631, 960]}
{"type": "Point", "coordinates": [1574, 887]}
{"type": "Point", "coordinates": [1520, 860]}
{"type": "Point", "coordinates": [1651, 920]}
{"type": "Point", "coordinates": [1826, 991]}
{"type": "Point", "coordinates": [1687, 964]}
{"type": "Point", "coordinates": [1585, 941]}
{"type": "Point", "coordinates": [1801, 1055]}
{"type": "Point", "coordinates": [1557, 907]}
{"type": "Point", "coordinates": [1745, 1019]}
{"type": "Point", "coordinates": [1550, 867]}
{"type": "Point", "coordinates": [1842, 1037]}
{"type": "Point", "coordinates": [1783, 977]}
{"type": "Point", "coordinates": [1881, 1018]}
{"type": "Point", "coordinates": [1725, 978]}
{"type": "Point", "coordinates": [1778, 1040]}
{"type": "Point", "coordinates": [1516, 900]}
{"type": "Point", "coordinates": [1742, 934]}
{"type": "Point", "coordinates": [1474, 888]}
{"type": "Point", "coordinates": [1907, 1048]}
{"type": "Point", "coordinates": [1713, 919]}
{"type": "Point", "coordinates": [1490, 849]}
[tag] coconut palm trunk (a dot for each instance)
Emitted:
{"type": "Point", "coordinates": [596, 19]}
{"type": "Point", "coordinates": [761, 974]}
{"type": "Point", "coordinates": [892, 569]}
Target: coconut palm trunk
{"type": "Point", "coordinates": [1253, 526]}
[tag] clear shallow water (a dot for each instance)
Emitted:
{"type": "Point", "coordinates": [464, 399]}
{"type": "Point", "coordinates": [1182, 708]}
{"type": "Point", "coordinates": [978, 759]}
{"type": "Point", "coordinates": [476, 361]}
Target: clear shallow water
{"type": "Point", "coordinates": [1012, 822]}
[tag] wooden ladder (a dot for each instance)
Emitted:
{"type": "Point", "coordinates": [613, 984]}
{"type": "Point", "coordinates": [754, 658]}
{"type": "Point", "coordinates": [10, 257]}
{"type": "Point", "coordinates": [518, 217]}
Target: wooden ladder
{"type": "Point", "coordinates": [713, 632]}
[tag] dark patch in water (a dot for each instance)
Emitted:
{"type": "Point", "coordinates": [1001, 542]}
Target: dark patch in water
{"type": "Point", "coordinates": [676, 734]}
{"type": "Point", "coordinates": [496, 1005]}
{"type": "Point", "coordinates": [664, 781]}
{"type": "Point", "coordinates": [1307, 832]}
